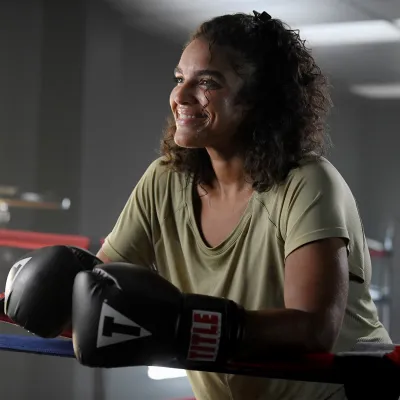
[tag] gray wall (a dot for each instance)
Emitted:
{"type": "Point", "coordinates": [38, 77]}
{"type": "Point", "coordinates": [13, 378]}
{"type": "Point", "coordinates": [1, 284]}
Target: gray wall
{"type": "Point", "coordinates": [83, 100]}
{"type": "Point", "coordinates": [40, 84]}
{"type": "Point", "coordinates": [20, 71]}
{"type": "Point", "coordinates": [128, 76]}
{"type": "Point", "coordinates": [82, 104]}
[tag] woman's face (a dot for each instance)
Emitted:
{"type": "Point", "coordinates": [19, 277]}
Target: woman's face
{"type": "Point", "coordinates": [204, 100]}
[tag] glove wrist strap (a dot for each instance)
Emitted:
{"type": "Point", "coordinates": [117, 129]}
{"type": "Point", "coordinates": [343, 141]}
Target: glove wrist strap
{"type": "Point", "coordinates": [211, 329]}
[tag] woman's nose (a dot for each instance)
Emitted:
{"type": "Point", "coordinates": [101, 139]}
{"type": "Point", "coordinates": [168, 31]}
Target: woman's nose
{"type": "Point", "coordinates": [185, 94]}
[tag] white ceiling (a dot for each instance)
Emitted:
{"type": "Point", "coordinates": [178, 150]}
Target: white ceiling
{"type": "Point", "coordinates": [345, 64]}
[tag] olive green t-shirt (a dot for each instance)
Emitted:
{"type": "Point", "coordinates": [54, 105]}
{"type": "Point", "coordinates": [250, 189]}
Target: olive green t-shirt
{"type": "Point", "coordinates": [157, 228]}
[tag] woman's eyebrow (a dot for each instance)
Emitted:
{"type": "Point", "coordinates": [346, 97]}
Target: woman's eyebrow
{"type": "Point", "coordinates": [210, 72]}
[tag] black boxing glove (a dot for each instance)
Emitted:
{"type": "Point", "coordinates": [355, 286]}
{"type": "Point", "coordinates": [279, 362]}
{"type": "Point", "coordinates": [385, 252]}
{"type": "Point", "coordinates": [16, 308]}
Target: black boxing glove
{"type": "Point", "coordinates": [38, 293]}
{"type": "Point", "coordinates": [127, 315]}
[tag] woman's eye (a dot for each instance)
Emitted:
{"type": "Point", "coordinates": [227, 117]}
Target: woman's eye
{"type": "Point", "coordinates": [206, 82]}
{"type": "Point", "coordinates": [178, 79]}
{"type": "Point", "coordinates": [209, 83]}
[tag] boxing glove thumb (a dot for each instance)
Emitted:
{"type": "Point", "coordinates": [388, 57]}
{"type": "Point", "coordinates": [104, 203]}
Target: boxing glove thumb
{"type": "Point", "coordinates": [38, 291]}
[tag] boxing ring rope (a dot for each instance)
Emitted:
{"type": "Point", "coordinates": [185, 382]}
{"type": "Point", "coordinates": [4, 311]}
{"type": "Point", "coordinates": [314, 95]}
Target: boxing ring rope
{"type": "Point", "coordinates": [34, 240]}
{"type": "Point", "coordinates": [377, 249]}
{"type": "Point", "coordinates": [313, 367]}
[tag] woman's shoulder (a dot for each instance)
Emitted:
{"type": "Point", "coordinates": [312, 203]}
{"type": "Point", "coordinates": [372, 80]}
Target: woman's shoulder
{"type": "Point", "coordinates": [157, 167]}
{"type": "Point", "coordinates": [162, 176]}
{"type": "Point", "coordinates": [311, 178]}
{"type": "Point", "coordinates": [317, 171]}
{"type": "Point", "coordinates": [160, 167]}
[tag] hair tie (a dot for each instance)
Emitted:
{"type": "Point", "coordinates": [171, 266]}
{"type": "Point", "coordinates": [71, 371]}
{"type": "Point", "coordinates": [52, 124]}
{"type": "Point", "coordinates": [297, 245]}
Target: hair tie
{"type": "Point", "coordinates": [262, 17]}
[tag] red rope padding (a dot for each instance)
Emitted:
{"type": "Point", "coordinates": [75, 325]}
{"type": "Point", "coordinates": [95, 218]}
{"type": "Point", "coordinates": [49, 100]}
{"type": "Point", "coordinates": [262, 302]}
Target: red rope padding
{"type": "Point", "coordinates": [35, 240]}
{"type": "Point", "coordinates": [378, 253]}
{"type": "Point", "coordinates": [394, 355]}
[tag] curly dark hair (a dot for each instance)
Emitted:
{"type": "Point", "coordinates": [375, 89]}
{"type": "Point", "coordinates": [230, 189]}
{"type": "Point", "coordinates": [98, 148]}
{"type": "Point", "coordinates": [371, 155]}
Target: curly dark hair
{"type": "Point", "coordinates": [288, 97]}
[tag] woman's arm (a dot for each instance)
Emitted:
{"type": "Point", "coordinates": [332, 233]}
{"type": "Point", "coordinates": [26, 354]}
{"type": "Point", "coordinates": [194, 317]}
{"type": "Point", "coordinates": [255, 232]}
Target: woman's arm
{"type": "Point", "coordinates": [103, 257]}
{"type": "Point", "coordinates": [315, 290]}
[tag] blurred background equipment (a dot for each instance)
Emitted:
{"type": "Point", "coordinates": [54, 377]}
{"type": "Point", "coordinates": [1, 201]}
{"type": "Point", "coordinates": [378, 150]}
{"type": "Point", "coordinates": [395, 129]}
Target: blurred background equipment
{"type": "Point", "coordinates": [382, 273]}
{"type": "Point", "coordinates": [11, 197]}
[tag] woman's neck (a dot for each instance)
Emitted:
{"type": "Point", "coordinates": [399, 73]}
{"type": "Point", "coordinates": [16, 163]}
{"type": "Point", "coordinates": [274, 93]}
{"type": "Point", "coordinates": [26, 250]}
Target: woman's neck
{"type": "Point", "coordinates": [230, 177]}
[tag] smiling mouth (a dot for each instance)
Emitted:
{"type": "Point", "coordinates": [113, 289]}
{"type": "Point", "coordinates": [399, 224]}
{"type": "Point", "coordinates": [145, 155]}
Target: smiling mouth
{"type": "Point", "coordinates": [185, 119]}
{"type": "Point", "coordinates": [191, 116]}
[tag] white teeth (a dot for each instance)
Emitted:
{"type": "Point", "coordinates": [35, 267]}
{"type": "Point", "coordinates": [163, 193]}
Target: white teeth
{"type": "Point", "coordinates": [186, 116]}
{"type": "Point", "coordinates": [189, 116]}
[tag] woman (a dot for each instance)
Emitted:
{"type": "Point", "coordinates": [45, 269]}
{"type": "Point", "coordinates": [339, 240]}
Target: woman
{"type": "Point", "coordinates": [242, 204]}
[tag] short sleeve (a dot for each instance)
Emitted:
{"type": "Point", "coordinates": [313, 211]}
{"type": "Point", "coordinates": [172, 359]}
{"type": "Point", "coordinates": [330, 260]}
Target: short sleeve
{"type": "Point", "coordinates": [131, 237]}
{"type": "Point", "coordinates": [316, 206]}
